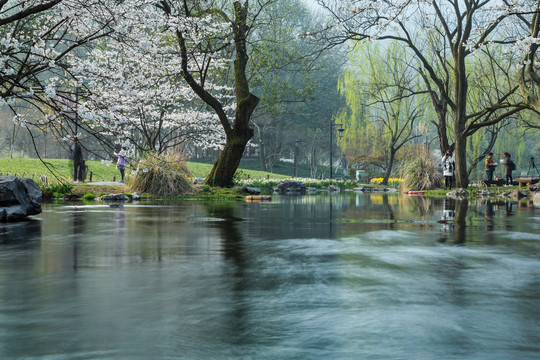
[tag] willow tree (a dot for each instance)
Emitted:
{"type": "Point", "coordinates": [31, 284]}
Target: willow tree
{"type": "Point", "coordinates": [443, 35]}
{"type": "Point", "coordinates": [378, 86]}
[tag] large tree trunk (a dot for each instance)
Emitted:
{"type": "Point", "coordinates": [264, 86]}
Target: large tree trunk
{"type": "Point", "coordinates": [227, 163]}
{"type": "Point", "coordinates": [237, 136]}
{"type": "Point", "coordinates": [389, 166]}
{"type": "Point", "coordinates": [238, 133]}
{"type": "Point", "coordinates": [440, 108]}
{"type": "Point", "coordinates": [460, 119]}
{"type": "Point", "coordinates": [460, 156]}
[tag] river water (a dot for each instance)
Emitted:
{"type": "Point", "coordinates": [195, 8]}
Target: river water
{"type": "Point", "coordinates": [350, 276]}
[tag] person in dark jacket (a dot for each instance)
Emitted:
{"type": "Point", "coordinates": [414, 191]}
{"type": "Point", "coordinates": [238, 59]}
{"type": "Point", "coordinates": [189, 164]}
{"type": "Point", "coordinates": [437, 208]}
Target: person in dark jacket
{"type": "Point", "coordinates": [490, 166]}
{"type": "Point", "coordinates": [77, 157]}
{"type": "Point", "coordinates": [508, 167]}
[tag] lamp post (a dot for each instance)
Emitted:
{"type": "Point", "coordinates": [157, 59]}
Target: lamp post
{"type": "Point", "coordinates": [296, 141]}
{"type": "Point", "coordinates": [340, 134]}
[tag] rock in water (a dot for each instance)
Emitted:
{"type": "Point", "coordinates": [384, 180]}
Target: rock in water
{"type": "Point", "coordinates": [334, 189]}
{"type": "Point", "coordinates": [291, 187]}
{"type": "Point", "coordinates": [19, 198]}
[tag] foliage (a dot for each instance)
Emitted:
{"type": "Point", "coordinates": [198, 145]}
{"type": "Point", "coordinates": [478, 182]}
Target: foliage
{"type": "Point", "coordinates": [146, 105]}
{"type": "Point", "coordinates": [394, 182]}
{"type": "Point", "coordinates": [89, 196]}
{"type": "Point", "coordinates": [284, 76]}
{"type": "Point", "coordinates": [265, 184]}
{"type": "Point", "coordinates": [217, 193]}
{"type": "Point", "coordinates": [380, 114]}
{"type": "Point", "coordinates": [421, 174]}
{"type": "Point", "coordinates": [459, 48]}
{"type": "Point", "coordinates": [57, 190]}
{"type": "Point", "coordinates": [165, 175]}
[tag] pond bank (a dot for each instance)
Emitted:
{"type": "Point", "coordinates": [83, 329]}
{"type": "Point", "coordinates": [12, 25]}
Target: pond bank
{"type": "Point", "coordinates": [93, 190]}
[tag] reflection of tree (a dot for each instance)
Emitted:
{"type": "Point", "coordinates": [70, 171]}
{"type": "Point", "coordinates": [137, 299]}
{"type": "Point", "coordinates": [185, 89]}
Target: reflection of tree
{"type": "Point", "coordinates": [459, 221]}
{"type": "Point", "coordinates": [389, 211]}
{"type": "Point", "coordinates": [234, 251]}
{"type": "Point", "coordinates": [230, 231]}
{"type": "Point", "coordinates": [78, 229]}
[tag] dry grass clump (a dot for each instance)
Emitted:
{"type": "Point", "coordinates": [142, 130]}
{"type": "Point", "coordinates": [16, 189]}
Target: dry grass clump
{"type": "Point", "coordinates": [421, 174]}
{"type": "Point", "coordinates": [161, 175]}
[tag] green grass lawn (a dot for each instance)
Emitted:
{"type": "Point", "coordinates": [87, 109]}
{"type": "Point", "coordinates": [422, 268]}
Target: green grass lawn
{"type": "Point", "coordinates": [63, 169]}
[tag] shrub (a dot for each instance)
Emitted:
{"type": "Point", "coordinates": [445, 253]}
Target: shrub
{"type": "Point", "coordinates": [163, 175]}
{"type": "Point", "coordinates": [421, 174]}
{"type": "Point", "coordinates": [56, 190]}
{"type": "Point", "coordinates": [89, 196]}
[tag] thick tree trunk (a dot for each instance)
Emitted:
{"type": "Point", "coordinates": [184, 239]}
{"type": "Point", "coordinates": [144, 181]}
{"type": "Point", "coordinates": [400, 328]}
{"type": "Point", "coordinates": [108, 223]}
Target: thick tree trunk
{"type": "Point", "coordinates": [237, 137]}
{"type": "Point", "coordinates": [460, 157]}
{"type": "Point", "coordinates": [441, 126]}
{"type": "Point", "coordinates": [389, 166]}
{"type": "Point", "coordinates": [227, 163]}
{"type": "Point", "coordinates": [460, 119]}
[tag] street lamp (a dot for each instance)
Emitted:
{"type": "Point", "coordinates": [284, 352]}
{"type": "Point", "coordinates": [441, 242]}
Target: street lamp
{"type": "Point", "coordinates": [340, 130]}
{"type": "Point", "coordinates": [296, 141]}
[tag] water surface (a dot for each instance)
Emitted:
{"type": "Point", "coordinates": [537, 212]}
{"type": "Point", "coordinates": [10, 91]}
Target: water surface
{"type": "Point", "coordinates": [352, 276]}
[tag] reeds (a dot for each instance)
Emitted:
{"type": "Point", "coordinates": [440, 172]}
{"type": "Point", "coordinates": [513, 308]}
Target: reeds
{"type": "Point", "coordinates": [421, 174]}
{"type": "Point", "coordinates": [160, 175]}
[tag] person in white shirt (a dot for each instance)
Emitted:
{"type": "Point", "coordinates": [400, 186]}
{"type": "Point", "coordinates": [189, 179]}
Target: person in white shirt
{"type": "Point", "coordinates": [448, 165]}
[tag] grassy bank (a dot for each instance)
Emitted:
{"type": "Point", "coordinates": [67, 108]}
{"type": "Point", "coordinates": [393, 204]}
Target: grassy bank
{"type": "Point", "coordinates": [56, 170]}
{"type": "Point", "coordinates": [474, 191]}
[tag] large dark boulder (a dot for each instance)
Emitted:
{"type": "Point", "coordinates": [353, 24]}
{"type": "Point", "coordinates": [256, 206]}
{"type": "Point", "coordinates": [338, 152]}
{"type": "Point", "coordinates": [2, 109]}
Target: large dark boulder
{"type": "Point", "coordinates": [19, 198]}
{"type": "Point", "coordinates": [291, 187]}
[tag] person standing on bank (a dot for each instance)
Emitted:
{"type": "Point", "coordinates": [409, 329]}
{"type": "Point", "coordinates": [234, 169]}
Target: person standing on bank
{"type": "Point", "coordinates": [121, 162]}
{"type": "Point", "coordinates": [490, 167]}
{"type": "Point", "coordinates": [77, 157]}
{"type": "Point", "coordinates": [509, 166]}
{"type": "Point", "coordinates": [448, 165]}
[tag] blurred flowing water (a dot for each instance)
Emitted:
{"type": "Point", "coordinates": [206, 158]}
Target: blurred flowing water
{"type": "Point", "coordinates": [351, 276]}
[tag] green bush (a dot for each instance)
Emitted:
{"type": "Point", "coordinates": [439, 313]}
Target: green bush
{"type": "Point", "coordinates": [163, 175]}
{"type": "Point", "coordinates": [89, 196]}
{"type": "Point", "coordinates": [56, 190]}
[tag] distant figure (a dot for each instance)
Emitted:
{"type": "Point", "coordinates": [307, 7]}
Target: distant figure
{"type": "Point", "coordinates": [121, 162]}
{"type": "Point", "coordinates": [490, 167]}
{"type": "Point", "coordinates": [509, 166]}
{"type": "Point", "coordinates": [448, 165]}
{"type": "Point", "coordinates": [77, 157]}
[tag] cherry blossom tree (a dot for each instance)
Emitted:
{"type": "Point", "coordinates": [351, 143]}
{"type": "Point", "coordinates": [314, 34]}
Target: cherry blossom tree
{"type": "Point", "coordinates": [529, 69]}
{"type": "Point", "coordinates": [36, 39]}
{"type": "Point", "coordinates": [136, 91]}
{"type": "Point", "coordinates": [203, 31]}
{"type": "Point", "coordinates": [105, 68]}
{"type": "Point", "coordinates": [445, 36]}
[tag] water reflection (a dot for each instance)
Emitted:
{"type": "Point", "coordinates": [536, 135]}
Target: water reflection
{"type": "Point", "coordinates": [21, 234]}
{"type": "Point", "coordinates": [317, 277]}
